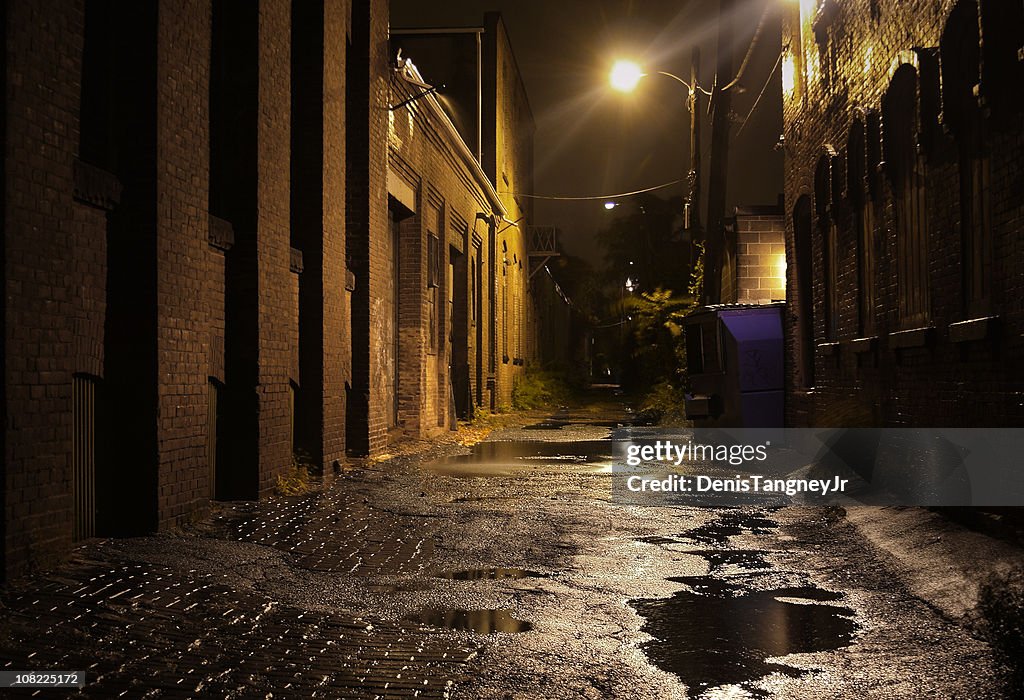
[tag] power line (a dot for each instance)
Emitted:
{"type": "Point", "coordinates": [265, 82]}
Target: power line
{"type": "Point", "coordinates": [600, 196]}
{"type": "Point", "coordinates": [758, 100]}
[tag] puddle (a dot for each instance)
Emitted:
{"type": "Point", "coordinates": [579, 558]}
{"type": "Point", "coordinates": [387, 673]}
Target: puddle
{"type": "Point", "coordinates": [747, 559]}
{"type": "Point", "coordinates": [501, 458]}
{"type": "Point", "coordinates": [553, 424]}
{"type": "Point", "coordinates": [481, 621]}
{"type": "Point", "coordinates": [657, 539]}
{"type": "Point", "coordinates": [493, 574]}
{"type": "Point", "coordinates": [728, 525]}
{"type": "Point", "coordinates": [719, 634]}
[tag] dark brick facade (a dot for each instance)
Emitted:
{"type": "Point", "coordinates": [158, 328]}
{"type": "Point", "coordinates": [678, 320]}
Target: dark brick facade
{"type": "Point", "coordinates": [904, 222]}
{"type": "Point", "coordinates": [212, 266]}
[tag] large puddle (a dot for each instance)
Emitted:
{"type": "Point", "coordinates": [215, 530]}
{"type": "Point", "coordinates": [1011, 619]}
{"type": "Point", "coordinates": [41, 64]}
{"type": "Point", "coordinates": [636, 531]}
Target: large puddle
{"type": "Point", "coordinates": [504, 458]}
{"type": "Point", "coordinates": [718, 633]}
{"type": "Point", "coordinates": [481, 621]}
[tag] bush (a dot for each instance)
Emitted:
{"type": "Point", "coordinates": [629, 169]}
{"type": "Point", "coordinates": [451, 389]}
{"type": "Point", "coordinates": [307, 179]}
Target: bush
{"type": "Point", "coordinates": [539, 389]}
{"type": "Point", "coordinates": [1001, 604]}
{"type": "Point", "coordinates": [664, 404]}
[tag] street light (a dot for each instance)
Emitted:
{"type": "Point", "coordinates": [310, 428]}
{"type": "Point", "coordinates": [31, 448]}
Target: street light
{"type": "Point", "coordinates": [625, 76]}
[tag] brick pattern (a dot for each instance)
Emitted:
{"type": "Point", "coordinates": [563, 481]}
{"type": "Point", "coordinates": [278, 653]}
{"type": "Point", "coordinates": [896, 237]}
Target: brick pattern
{"type": "Point", "coordinates": [174, 268]}
{"type": "Point", "coordinates": [182, 230]}
{"type": "Point", "coordinates": [54, 302]}
{"type": "Point", "coordinates": [760, 259]}
{"type": "Point", "coordinates": [882, 381]}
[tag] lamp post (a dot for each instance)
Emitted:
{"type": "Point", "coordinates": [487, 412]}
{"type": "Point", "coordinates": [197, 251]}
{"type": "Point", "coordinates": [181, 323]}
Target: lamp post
{"type": "Point", "coordinates": [625, 76]}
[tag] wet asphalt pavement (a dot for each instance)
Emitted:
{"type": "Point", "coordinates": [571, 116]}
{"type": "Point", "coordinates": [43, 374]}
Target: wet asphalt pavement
{"type": "Point", "coordinates": [499, 571]}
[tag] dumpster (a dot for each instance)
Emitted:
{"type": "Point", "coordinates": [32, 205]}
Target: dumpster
{"type": "Point", "coordinates": [734, 360]}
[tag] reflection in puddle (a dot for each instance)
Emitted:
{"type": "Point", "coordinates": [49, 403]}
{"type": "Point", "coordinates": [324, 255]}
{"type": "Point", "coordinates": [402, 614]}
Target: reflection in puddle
{"type": "Point", "coordinates": [493, 574]}
{"type": "Point", "coordinates": [718, 634]}
{"type": "Point", "coordinates": [482, 621]}
{"type": "Point", "coordinates": [558, 424]}
{"type": "Point", "coordinates": [498, 458]}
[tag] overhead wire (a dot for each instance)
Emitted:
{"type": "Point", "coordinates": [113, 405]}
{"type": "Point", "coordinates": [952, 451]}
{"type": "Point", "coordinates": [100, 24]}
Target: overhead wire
{"type": "Point", "coordinates": [597, 197]}
{"type": "Point", "coordinates": [760, 95]}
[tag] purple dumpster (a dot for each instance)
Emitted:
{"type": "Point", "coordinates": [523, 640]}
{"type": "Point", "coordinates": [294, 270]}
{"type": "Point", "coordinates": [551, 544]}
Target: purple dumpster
{"type": "Point", "coordinates": [734, 361]}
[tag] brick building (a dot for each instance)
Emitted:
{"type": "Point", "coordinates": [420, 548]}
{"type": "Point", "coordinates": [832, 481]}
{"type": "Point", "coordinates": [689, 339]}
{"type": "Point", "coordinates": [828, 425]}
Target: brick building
{"type": "Point", "coordinates": [904, 221]}
{"type": "Point", "coordinates": [488, 126]}
{"type": "Point", "coordinates": [199, 261]}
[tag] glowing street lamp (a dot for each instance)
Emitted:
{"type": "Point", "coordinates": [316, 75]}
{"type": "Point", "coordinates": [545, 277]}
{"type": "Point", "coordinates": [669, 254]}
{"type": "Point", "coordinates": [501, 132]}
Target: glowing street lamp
{"type": "Point", "coordinates": [625, 76]}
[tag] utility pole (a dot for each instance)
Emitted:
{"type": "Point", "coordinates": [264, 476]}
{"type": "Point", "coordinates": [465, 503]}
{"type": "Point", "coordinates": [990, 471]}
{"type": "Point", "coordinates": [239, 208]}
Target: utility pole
{"type": "Point", "coordinates": [693, 177]}
{"type": "Point", "coordinates": [721, 104]}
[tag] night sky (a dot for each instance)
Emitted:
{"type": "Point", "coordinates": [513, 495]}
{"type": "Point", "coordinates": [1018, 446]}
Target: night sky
{"type": "Point", "coordinates": [592, 140]}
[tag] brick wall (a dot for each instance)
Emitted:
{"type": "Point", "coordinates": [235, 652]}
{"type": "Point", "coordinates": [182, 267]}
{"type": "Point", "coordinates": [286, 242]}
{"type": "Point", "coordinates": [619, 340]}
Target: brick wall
{"type": "Point", "coordinates": [938, 373]}
{"type": "Point", "coordinates": [44, 288]}
{"type": "Point", "coordinates": [434, 190]}
{"type": "Point", "coordinates": [182, 231]}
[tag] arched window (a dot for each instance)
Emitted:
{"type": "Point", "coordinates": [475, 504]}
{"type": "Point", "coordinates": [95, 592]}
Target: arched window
{"type": "Point", "coordinates": [804, 278]}
{"type": "Point", "coordinates": [961, 54]}
{"type": "Point", "coordinates": [905, 167]}
{"type": "Point", "coordinates": [864, 226]}
{"type": "Point", "coordinates": [825, 208]}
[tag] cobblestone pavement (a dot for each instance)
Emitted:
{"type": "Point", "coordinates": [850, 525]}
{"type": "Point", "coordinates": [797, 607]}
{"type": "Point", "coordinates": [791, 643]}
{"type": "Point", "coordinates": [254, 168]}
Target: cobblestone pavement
{"type": "Point", "coordinates": [506, 573]}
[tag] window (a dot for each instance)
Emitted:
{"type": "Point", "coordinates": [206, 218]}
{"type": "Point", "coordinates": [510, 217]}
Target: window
{"type": "Point", "coordinates": [962, 113]}
{"type": "Point", "coordinates": [802, 231]}
{"type": "Point", "coordinates": [825, 209]}
{"type": "Point", "coordinates": [433, 276]}
{"type": "Point", "coordinates": [864, 227]}
{"type": "Point", "coordinates": [906, 172]}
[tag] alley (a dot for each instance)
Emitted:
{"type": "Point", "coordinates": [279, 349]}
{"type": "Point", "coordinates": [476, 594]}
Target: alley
{"type": "Point", "coordinates": [503, 570]}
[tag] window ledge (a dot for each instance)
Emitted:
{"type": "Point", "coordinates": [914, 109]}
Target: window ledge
{"type": "Point", "coordinates": [862, 345]}
{"type": "Point", "coordinates": [830, 348]}
{"type": "Point", "coordinates": [95, 186]}
{"type": "Point", "coordinates": [973, 329]}
{"type": "Point", "coordinates": [911, 338]}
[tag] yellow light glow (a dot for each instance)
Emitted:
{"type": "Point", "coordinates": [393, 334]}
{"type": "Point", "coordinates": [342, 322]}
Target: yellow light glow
{"type": "Point", "coordinates": [625, 75]}
{"type": "Point", "coordinates": [780, 269]}
{"type": "Point", "coordinates": [788, 73]}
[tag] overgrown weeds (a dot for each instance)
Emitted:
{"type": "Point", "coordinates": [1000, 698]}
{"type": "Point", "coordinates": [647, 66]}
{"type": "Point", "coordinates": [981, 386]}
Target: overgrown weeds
{"type": "Point", "coordinates": [539, 389]}
{"type": "Point", "coordinates": [295, 481]}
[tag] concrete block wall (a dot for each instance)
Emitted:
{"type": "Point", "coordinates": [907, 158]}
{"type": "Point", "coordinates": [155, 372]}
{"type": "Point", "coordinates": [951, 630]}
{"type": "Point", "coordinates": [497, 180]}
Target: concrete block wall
{"type": "Point", "coordinates": [837, 70]}
{"type": "Point", "coordinates": [760, 258]}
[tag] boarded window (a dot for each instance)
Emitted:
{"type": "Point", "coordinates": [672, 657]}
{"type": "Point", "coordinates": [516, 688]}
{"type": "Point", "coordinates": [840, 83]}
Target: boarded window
{"type": "Point", "coordinates": [825, 209]}
{"type": "Point", "coordinates": [961, 56]}
{"type": "Point", "coordinates": [906, 172]}
{"type": "Point", "coordinates": [802, 231]}
{"type": "Point", "coordinates": [864, 227]}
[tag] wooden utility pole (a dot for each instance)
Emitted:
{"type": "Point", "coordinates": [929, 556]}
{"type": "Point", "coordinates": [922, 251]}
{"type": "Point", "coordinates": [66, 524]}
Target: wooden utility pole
{"type": "Point", "coordinates": [721, 105]}
{"type": "Point", "coordinates": [693, 177]}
